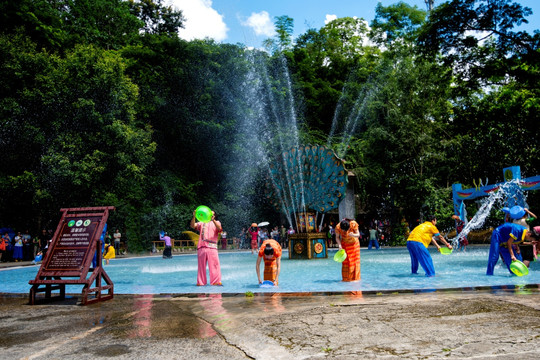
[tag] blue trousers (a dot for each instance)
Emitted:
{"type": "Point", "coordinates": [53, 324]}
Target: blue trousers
{"type": "Point", "coordinates": [495, 249]}
{"type": "Point", "coordinates": [374, 242]}
{"type": "Point", "coordinates": [420, 254]}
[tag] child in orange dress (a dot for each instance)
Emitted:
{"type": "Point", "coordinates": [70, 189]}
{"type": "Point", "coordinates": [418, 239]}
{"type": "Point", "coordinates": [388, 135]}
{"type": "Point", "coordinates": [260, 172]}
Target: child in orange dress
{"type": "Point", "coordinates": [270, 251]}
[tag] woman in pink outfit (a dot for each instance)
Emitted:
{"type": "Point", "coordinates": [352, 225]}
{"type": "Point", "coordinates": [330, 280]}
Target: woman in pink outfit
{"type": "Point", "coordinates": [207, 252]}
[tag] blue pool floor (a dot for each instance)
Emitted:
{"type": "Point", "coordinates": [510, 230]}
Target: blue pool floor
{"type": "Point", "coordinates": [386, 269]}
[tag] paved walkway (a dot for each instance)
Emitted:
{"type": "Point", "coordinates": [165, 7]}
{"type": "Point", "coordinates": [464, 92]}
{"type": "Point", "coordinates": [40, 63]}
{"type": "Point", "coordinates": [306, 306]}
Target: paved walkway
{"type": "Point", "coordinates": [466, 325]}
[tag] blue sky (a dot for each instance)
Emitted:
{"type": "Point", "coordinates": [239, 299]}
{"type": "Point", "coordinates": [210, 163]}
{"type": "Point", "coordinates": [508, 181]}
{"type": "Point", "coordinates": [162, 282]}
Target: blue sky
{"type": "Point", "coordinates": [251, 21]}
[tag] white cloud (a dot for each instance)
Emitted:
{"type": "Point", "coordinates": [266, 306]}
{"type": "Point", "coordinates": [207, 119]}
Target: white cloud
{"type": "Point", "coordinates": [260, 23]}
{"type": "Point", "coordinates": [202, 20]}
{"type": "Point", "coordinates": [329, 18]}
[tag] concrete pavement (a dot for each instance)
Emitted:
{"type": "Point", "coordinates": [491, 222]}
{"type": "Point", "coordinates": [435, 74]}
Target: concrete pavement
{"type": "Point", "coordinates": [467, 324]}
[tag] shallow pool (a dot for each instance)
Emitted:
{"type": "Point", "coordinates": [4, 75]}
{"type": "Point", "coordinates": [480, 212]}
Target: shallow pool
{"type": "Point", "coordinates": [382, 270]}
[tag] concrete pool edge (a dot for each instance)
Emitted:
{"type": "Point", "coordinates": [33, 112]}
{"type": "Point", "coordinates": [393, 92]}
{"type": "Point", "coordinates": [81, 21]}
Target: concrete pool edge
{"type": "Point", "coordinates": [499, 289]}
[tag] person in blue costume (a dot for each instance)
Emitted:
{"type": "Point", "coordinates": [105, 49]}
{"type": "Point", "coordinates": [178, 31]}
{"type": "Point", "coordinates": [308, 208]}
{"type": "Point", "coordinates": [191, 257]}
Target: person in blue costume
{"type": "Point", "coordinates": [102, 240]}
{"type": "Point", "coordinates": [418, 242]}
{"type": "Point", "coordinates": [504, 243]}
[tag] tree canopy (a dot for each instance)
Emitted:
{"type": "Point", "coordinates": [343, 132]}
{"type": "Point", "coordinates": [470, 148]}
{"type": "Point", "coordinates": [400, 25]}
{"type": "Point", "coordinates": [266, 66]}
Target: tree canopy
{"type": "Point", "coordinates": [103, 104]}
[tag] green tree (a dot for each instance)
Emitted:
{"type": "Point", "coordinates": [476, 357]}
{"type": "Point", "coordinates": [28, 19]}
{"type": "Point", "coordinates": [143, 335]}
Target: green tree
{"type": "Point", "coordinates": [283, 40]}
{"type": "Point", "coordinates": [477, 41]}
{"type": "Point", "coordinates": [38, 19]}
{"type": "Point", "coordinates": [403, 146]}
{"type": "Point", "coordinates": [110, 24]}
{"type": "Point", "coordinates": [158, 18]}
{"type": "Point", "coordinates": [396, 22]}
{"type": "Point", "coordinates": [69, 133]}
{"type": "Point", "coordinates": [329, 65]}
{"type": "Point", "coordinates": [497, 130]}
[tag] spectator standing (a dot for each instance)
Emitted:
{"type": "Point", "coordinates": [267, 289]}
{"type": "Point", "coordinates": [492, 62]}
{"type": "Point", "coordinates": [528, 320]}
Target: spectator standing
{"type": "Point", "coordinates": [44, 241]}
{"type": "Point", "coordinates": [328, 233]}
{"type": "Point", "coordinates": [332, 233]}
{"type": "Point", "coordinates": [28, 253]}
{"type": "Point", "coordinates": [117, 239]}
{"type": "Point", "coordinates": [283, 236]}
{"type": "Point", "coordinates": [373, 238]}
{"type": "Point", "coordinates": [18, 248]}
{"type": "Point", "coordinates": [242, 237]}
{"type": "Point", "coordinates": [263, 235]}
{"type": "Point", "coordinates": [223, 240]}
{"type": "Point", "coordinates": [254, 232]}
{"type": "Point", "coordinates": [8, 254]}
{"type": "Point", "coordinates": [3, 245]}
{"type": "Point", "coordinates": [275, 234]}
{"type": "Point", "coordinates": [35, 246]}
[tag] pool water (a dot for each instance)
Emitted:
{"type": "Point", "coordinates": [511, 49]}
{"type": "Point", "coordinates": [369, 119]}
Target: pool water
{"type": "Point", "coordinates": [382, 270]}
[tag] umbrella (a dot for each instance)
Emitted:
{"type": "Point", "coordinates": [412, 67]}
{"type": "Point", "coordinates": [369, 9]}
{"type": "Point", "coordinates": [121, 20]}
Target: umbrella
{"type": "Point", "coordinates": [264, 223]}
{"type": "Point", "coordinates": [254, 225]}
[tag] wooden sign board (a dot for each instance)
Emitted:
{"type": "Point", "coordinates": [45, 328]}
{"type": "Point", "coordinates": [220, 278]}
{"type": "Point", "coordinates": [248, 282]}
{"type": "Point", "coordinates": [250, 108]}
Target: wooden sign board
{"type": "Point", "coordinates": [70, 254]}
{"type": "Point", "coordinates": [74, 244]}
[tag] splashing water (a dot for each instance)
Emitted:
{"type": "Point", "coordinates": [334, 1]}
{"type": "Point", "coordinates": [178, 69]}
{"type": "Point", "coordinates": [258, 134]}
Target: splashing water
{"type": "Point", "coordinates": [357, 115]}
{"type": "Point", "coordinates": [268, 123]}
{"type": "Point", "coordinates": [507, 192]}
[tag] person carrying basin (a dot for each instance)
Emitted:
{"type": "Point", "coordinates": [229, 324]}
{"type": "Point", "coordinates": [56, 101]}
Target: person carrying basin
{"type": "Point", "coordinates": [522, 216]}
{"type": "Point", "coordinates": [270, 252]}
{"type": "Point", "coordinates": [418, 242]}
{"type": "Point", "coordinates": [347, 237]}
{"type": "Point", "coordinates": [207, 252]}
{"type": "Point", "coordinates": [505, 241]}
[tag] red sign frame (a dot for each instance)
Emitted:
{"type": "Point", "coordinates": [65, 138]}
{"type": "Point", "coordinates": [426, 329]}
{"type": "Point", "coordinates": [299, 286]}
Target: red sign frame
{"type": "Point", "coordinates": [70, 255]}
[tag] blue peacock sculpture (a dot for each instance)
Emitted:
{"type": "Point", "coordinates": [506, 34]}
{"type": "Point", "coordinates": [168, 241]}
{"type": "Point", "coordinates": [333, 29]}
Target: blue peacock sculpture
{"type": "Point", "coordinates": [309, 177]}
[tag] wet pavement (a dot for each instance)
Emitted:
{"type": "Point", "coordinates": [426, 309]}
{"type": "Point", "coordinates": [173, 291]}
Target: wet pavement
{"type": "Point", "coordinates": [501, 324]}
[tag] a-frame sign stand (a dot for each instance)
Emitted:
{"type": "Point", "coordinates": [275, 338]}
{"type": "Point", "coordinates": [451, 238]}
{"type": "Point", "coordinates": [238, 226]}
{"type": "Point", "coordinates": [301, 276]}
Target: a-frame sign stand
{"type": "Point", "coordinates": [70, 254]}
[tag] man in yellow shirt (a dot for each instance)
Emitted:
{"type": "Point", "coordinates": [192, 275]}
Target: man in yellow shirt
{"type": "Point", "coordinates": [418, 242]}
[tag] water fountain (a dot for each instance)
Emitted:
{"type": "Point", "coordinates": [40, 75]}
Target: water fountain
{"type": "Point", "coordinates": [303, 181]}
{"type": "Point", "coordinates": [306, 181]}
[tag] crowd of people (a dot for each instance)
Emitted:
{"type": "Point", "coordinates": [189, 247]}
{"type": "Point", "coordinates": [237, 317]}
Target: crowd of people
{"type": "Point", "coordinates": [253, 236]}
{"type": "Point", "coordinates": [23, 246]}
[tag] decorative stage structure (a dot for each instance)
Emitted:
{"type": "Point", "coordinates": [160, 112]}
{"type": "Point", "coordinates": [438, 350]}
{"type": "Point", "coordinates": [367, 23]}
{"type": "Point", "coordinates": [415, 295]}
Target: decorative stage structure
{"type": "Point", "coordinates": [304, 182]}
{"type": "Point", "coordinates": [514, 187]}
